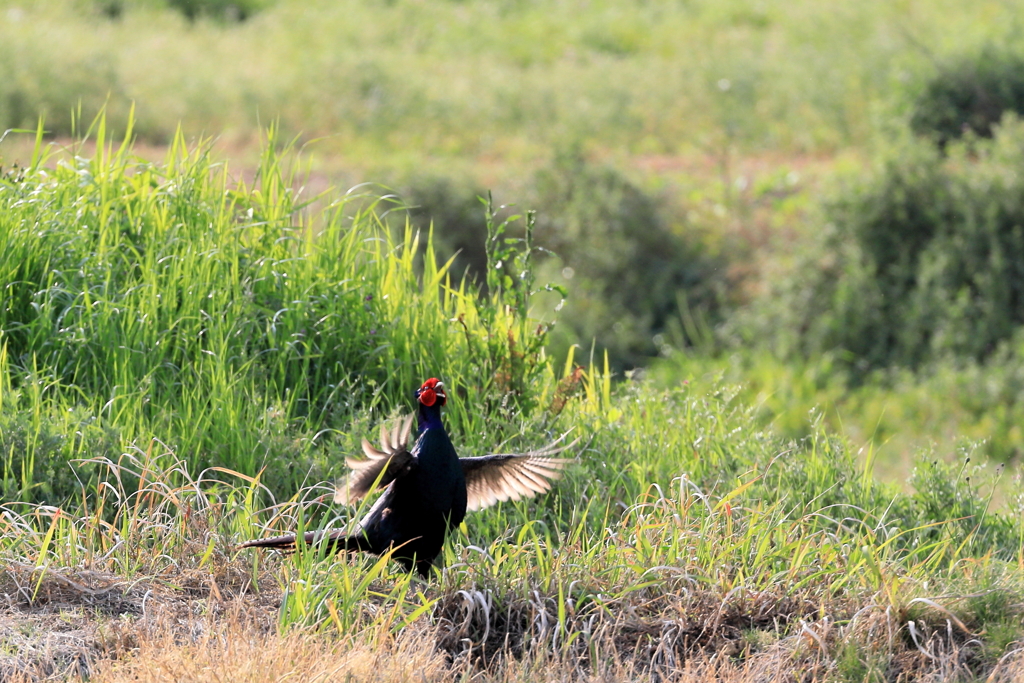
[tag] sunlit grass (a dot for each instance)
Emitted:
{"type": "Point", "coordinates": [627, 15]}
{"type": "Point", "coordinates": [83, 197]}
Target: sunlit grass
{"type": "Point", "coordinates": [236, 322]}
{"type": "Point", "coordinates": [187, 358]}
{"type": "Point", "coordinates": [739, 570]}
{"type": "Point", "coordinates": [892, 416]}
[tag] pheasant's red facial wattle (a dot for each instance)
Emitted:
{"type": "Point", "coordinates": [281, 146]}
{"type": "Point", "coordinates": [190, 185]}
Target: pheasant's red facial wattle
{"type": "Point", "coordinates": [431, 392]}
{"type": "Point", "coordinates": [428, 397]}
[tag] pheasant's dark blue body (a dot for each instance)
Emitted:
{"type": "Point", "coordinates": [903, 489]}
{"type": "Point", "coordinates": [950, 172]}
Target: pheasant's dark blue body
{"type": "Point", "coordinates": [426, 490]}
{"type": "Point", "coordinates": [416, 512]}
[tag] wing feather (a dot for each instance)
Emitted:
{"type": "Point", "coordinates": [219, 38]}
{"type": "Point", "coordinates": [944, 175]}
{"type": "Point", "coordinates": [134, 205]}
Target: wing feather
{"type": "Point", "coordinates": [512, 476]}
{"type": "Point", "coordinates": [381, 466]}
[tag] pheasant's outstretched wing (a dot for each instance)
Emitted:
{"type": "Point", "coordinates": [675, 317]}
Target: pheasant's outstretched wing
{"type": "Point", "coordinates": [493, 478]}
{"type": "Point", "coordinates": [381, 466]}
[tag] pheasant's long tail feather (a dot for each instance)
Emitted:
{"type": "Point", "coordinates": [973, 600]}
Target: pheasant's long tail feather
{"type": "Point", "coordinates": [336, 541]}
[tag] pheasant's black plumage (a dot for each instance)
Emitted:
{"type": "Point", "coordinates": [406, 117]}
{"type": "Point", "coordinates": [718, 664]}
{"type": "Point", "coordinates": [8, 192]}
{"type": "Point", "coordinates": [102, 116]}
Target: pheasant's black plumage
{"type": "Point", "coordinates": [427, 490]}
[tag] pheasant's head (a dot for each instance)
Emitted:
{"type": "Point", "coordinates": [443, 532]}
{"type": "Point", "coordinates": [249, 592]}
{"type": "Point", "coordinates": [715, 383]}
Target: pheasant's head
{"type": "Point", "coordinates": [432, 393]}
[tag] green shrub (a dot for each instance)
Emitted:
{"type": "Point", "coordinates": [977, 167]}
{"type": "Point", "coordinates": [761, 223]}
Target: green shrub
{"type": "Point", "coordinates": [969, 93]}
{"type": "Point", "coordinates": [55, 89]}
{"type": "Point", "coordinates": [609, 242]}
{"type": "Point", "coordinates": [235, 10]}
{"type": "Point", "coordinates": [627, 265]}
{"type": "Point", "coordinates": [923, 260]}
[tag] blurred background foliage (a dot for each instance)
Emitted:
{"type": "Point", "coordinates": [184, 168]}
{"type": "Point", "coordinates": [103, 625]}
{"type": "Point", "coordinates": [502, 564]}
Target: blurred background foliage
{"type": "Point", "coordinates": [917, 262]}
{"type": "Point", "coordinates": [969, 93]}
{"type": "Point", "coordinates": [819, 201]}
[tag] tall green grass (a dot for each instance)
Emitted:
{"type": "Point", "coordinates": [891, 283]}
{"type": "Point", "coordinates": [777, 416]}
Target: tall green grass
{"type": "Point", "coordinates": [238, 322]}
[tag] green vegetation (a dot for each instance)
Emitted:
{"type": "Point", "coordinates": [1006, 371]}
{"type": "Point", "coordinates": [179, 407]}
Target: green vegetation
{"type": "Point", "coordinates": [625, 264]}
{"type": "Point", "coordinates": [166, 350]}
{"type": "Point", "coordinates": [548, 105]}
{"type": "Point", "coordinates": [158, 301]}
{"type": "Point", "coordinates": [891, 415]}
{"type": "Point", "coordinates": [918, 263]}
{"type": "Point", "coordinates": [970, 94]}
{"type": "Point", "coordinates": [236, 10]}
{"type": "Point", "coordinates": [410, 80]}
{"type": "Point", "coordinates": [903, 316]}
{"type": "Point", "coordinates": [801, 223]}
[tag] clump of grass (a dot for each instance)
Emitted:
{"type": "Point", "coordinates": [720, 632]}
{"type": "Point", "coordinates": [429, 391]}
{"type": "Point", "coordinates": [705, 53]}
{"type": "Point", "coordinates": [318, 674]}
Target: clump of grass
{"type": "Point", "coordinates": [231, 320]}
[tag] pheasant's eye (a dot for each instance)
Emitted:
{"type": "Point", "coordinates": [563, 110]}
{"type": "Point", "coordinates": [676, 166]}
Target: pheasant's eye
{"type": "Point", "coordinates": [428, 397]}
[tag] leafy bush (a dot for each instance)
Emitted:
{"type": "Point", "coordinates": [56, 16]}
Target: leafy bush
{"type": "Point", "coordinates": [55, 89]}
{"type": "Point", "coordinates": [628, 267]}
{"type": "Point", "coordinates": [970, 93]}
{"type": "Point", "coordinates": [923, 260]}
{"type": "Point", "coordinates": [236, 10]}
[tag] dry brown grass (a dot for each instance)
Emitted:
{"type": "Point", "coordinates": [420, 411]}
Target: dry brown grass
{"type": "Point", "coordinates": [56, 624]}
{"type": "Point", "coordinates": [65, 625]}
{"type": "Point", "coordinates": [232, 650]}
